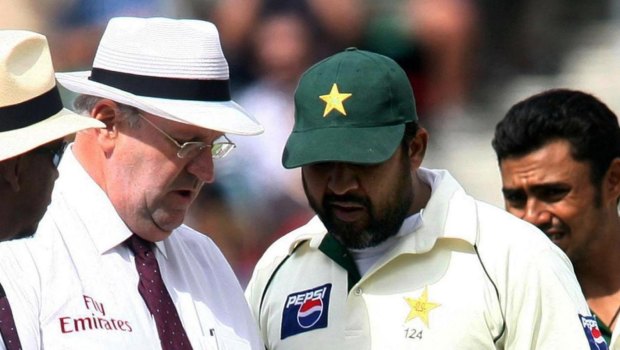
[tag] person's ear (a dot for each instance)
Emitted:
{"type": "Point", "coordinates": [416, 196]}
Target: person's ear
{"type": "Point", "coordinates": [10, 171]}
{"type": "Point", "coordinates": [611, 181]}
{"type": "Point", "coordinates": [107, 111]}
{"type": "Point", "coordinates": [417, 148]}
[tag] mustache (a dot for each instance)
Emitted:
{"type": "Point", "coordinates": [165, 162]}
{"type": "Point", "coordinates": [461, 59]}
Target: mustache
{"type": "Point", "coordinates": [188, 182]}
{"type": "Point", "coordinates": [351, 198]}
{"type": "Point", "coordinates": [546, 227]}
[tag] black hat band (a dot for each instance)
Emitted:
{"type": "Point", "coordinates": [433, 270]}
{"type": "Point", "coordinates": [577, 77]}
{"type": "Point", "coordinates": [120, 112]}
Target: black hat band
{"type": "Point", "coordinates": [29, 112]}
{"type": "Point", "coordinates": [170, 88]}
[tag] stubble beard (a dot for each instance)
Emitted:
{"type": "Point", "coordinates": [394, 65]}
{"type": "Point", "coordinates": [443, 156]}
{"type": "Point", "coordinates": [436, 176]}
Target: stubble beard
{"type": "Point", "coordinates": [378, 225]}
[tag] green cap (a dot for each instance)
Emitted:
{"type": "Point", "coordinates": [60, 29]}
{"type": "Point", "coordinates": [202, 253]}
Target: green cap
{"type": "Point", "coordinates": [351, 107]}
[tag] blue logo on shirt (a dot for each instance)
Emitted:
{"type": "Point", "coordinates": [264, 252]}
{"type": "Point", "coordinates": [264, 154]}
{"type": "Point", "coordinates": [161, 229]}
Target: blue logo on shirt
{"type": "Point", "coordinates": [305, 311]}
{"type": "Point", "coordinates": [594, 335]}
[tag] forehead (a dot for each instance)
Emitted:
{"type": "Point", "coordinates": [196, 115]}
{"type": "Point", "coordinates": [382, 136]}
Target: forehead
{"type": "Point", "coordinates": [360, 168]}
{"type": "Point", "coordinates": [552, 163]}
{"type": "Point", "coordinates": [183, 130]}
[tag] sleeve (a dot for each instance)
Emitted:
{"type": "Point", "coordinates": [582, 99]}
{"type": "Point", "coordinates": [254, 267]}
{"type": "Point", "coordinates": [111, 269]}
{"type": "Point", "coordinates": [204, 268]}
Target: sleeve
{"type": "Point", "coordinates": [254, 292]}
{"type": "Point", "coordinates": [258, 284]}
{"type": "Point", "coordinates": [545, 308]}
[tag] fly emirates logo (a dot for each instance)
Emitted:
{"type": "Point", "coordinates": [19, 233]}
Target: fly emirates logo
{"type": "Point", "coordinates": [96, 320]}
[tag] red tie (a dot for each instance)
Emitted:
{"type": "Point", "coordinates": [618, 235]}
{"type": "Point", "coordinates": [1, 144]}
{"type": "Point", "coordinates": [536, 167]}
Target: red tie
{"type": "Point", "coordinates": [7, 324]}
{"type": "Point", "coordinates": [154, 292]}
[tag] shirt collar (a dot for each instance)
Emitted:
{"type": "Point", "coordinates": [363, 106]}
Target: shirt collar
{"type": "Point", "coordinates": [449, 214]}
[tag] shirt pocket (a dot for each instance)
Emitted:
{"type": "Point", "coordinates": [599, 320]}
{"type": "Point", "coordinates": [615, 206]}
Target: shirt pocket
{"type": "Point", "coordinates": [221, 340]}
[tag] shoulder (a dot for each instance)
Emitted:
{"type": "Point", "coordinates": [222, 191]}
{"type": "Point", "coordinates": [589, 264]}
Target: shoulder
{"type": "Point", "coordinates": [533, 278]}
{"type": "Point", "coordinates": [506, 233]}
{"type": "Point", "coordinates": [313, 232]}
{"type": "Point", "coordinates": [516, 253]}
{"type": "Point", "coordinates": [20, 262]}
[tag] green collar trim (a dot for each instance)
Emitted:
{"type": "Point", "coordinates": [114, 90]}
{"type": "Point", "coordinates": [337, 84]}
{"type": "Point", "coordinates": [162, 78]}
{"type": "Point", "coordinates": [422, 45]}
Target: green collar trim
{"type": "Point", "coordinates": [605, 331]}
{"type": "Point", "coordinates": [340, 255]}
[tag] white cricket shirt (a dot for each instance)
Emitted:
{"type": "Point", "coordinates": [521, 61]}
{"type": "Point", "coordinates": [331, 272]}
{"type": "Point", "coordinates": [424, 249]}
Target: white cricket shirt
{"type": "Point", "coordinates": [471, 276]}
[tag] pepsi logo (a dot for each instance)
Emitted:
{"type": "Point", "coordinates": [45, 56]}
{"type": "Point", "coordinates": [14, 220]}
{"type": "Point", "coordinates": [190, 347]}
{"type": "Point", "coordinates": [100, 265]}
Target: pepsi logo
{"type": "Point", "coordinates": [310, 312]}
{"type": "Point", "coordinates": [593, 333]}
{"type": "Point", "coordinates": [305, 311]}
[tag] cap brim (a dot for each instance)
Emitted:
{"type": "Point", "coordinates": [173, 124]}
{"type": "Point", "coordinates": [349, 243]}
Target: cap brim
{"type": "Point", "coordinates": [224, 116]}
{"type": "Point", "coordinates": [370, 145]}
{"type": "Point", "coordinates": [61, 124]}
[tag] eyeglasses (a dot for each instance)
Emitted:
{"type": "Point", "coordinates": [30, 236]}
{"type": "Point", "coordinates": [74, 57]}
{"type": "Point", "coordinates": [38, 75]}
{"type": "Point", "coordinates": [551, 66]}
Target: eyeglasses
{"type": "Point", "coordinates": [56, 151]}
{"type": "Point", "coordinates": [220, 148]}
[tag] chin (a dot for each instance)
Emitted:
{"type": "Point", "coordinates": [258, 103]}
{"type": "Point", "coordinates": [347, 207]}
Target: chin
{"type": "Point", "coordinates": [168, 219]}
{"type": "Point", "coordinates": [167, 226]}
{"type": "Point", "coordinates": [29, 232]}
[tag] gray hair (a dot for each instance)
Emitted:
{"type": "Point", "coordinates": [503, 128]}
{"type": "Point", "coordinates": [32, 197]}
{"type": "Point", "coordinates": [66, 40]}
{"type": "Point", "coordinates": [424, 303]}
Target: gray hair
{"type": "Point", "coordinates": [83, 104]}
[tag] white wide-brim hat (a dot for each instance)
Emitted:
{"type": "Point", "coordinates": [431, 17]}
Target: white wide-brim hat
{"type": "Point", "coordinates": [172, 68]}
{"type": "Point", "coordinates": [31, 111]}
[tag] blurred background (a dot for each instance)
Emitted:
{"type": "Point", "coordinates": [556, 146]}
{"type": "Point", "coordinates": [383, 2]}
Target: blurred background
{"type": "Point", "coordinates": [468, 62]}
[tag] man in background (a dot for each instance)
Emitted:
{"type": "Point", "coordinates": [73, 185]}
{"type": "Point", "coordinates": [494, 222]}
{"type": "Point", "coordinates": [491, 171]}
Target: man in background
{"type": "Point", "coordinates": [559, 159]}
{"type": "Point", "coordinates": [33, 125]}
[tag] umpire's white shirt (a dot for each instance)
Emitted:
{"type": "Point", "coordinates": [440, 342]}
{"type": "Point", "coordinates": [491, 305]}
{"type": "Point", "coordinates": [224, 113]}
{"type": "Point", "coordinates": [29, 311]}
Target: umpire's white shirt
{"type": "Point", "coordinates": [471, 276]}
{"type": "Point", "coordinates": [74, 285]}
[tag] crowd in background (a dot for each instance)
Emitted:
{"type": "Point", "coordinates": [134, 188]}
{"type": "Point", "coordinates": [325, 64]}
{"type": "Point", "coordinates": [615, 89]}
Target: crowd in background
{"type": "Point", "coordinates": [457, 53]}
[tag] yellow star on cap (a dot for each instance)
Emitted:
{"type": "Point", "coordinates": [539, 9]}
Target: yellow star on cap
{"type": "Point", "coordinates": [334, 100]}
{"type": "Point", "coordinates": [420, 307]}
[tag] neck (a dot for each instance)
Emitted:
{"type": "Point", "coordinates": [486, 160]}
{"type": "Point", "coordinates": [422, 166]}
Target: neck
{"type": "Point", "coordinates": [7, 223]}
{"type": "Point", "coordinates": [599, 272]}
{"type": "Point", "coordinates": [87, 153]}
{"type": "Point", "coordinates": [599, 285]}
{"type": "Point", "coordinates": [10, 211]}
{"type": "Point", "coordinates": [422, 194]}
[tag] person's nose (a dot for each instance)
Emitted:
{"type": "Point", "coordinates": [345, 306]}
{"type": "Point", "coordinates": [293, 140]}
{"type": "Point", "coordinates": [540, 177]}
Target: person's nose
{"type": "Point", "coordinates": [342, 179]}
{"type": "Point", "coordinates": [536, 213]}
{"type": "Point", "coordinates": [202, 167]}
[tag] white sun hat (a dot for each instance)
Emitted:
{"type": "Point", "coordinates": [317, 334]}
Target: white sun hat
{"type": "Point", "coordinates": [31, 111]}
{"type": "Point", "coordinates": [172, 68]}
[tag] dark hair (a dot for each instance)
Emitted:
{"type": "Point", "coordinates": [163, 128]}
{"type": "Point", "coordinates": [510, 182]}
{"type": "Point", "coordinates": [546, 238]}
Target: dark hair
{"type": "Point", "coordinates": [586, 123]}
{"type": "Point", "coordinates": [411, 128]}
